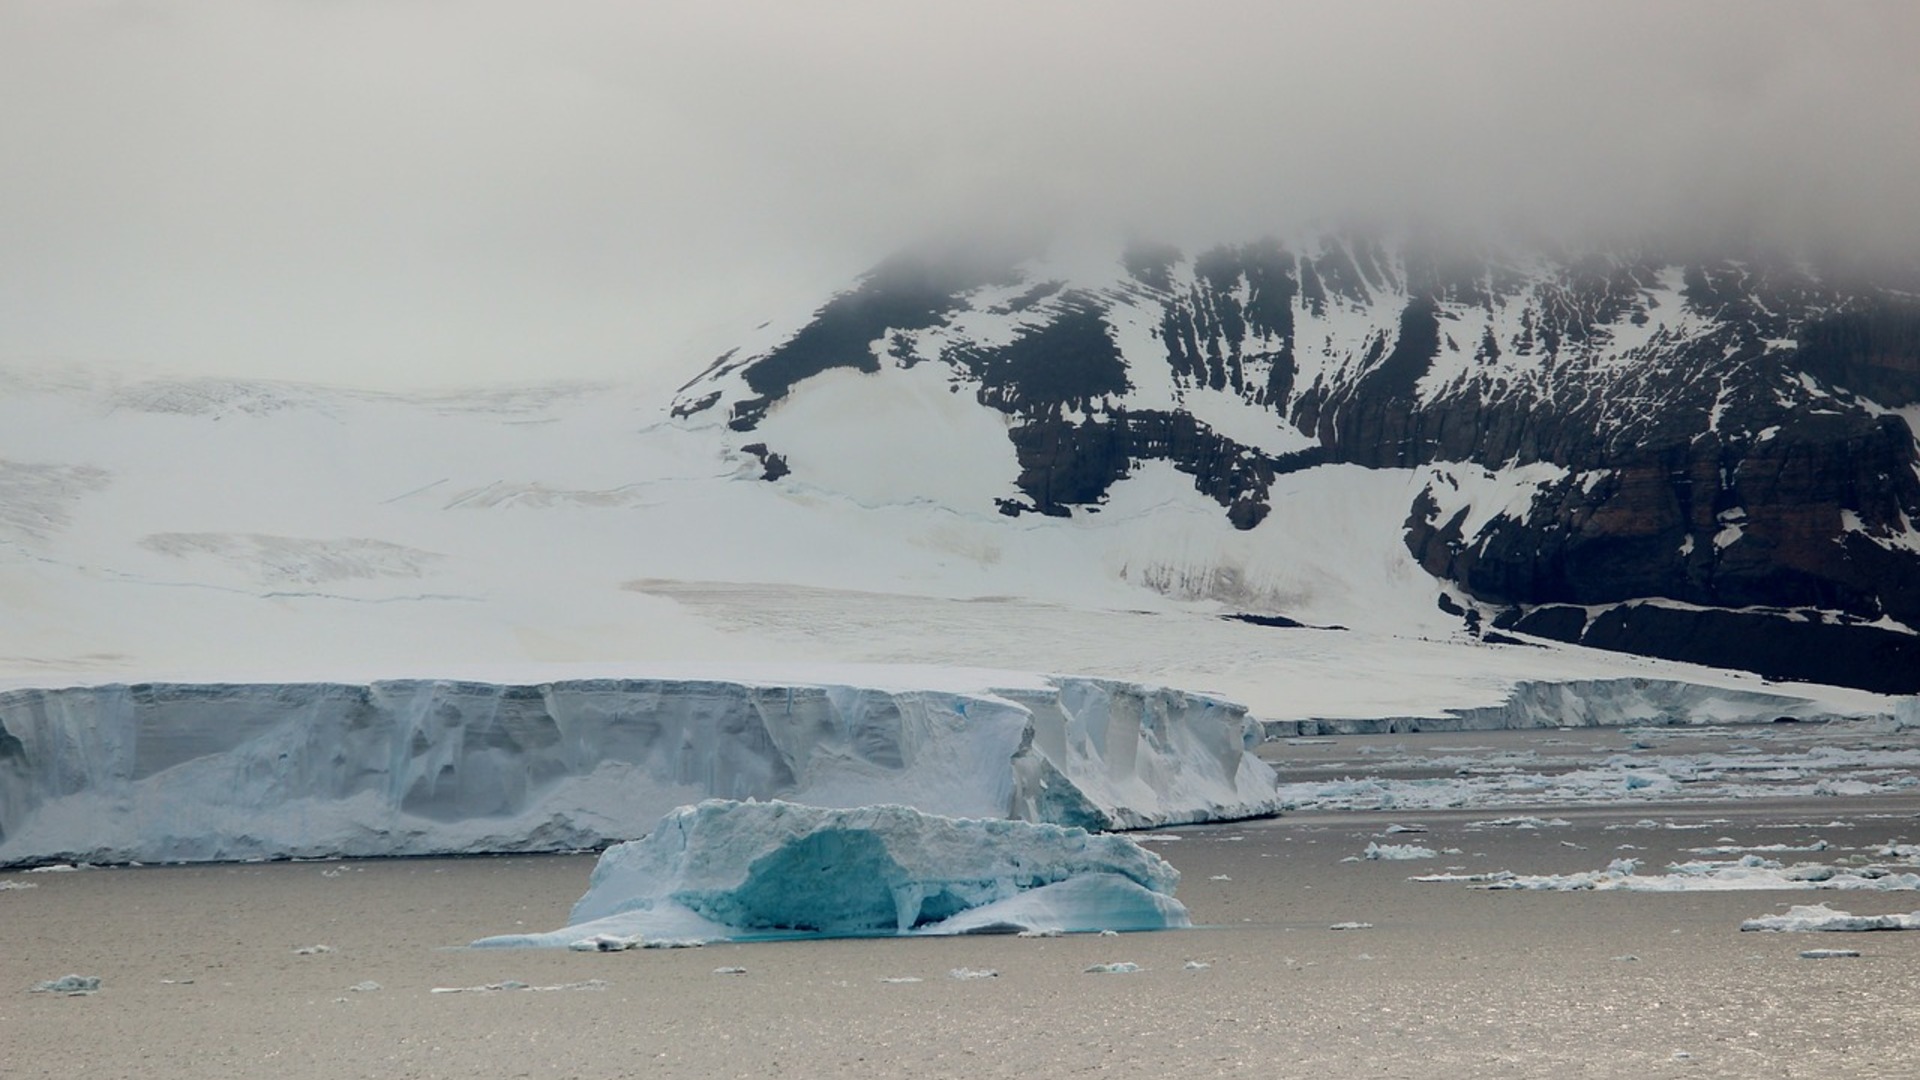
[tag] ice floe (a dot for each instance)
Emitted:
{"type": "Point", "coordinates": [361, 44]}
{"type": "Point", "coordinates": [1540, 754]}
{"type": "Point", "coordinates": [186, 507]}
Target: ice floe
{"type": "Point", "coordinates": [1749, 872]}
{"type": "Point", "coordinates": [1820, 917]}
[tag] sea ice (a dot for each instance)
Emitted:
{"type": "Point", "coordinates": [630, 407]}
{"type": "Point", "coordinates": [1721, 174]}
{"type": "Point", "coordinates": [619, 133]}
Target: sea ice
{"type": "Point", "coordinates": [1816, 917]}
{"type": "Point", "coordinates": [70, 985]}
{"type": "Point", "coordinates": [726, 870]}
{"type": "Point", "coordinates": [1750, 872]}
{"type": "Point", "coordinates": [1398, 852]}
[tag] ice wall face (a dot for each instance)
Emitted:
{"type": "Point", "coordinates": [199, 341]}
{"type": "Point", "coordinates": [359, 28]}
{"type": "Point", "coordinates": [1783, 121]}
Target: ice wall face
{"type": "Point", "coordinates": [196, 772]}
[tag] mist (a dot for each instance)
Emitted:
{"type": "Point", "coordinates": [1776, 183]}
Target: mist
{"type": "Point", "coordinates": [412, 192]}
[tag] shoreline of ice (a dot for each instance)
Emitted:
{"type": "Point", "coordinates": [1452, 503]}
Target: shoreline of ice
{"type": "Point", "coordinates": [201, 772]}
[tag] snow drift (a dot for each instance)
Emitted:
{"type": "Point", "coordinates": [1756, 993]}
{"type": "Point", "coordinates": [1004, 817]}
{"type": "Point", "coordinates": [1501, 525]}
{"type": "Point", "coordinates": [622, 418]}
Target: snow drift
{"type": "Point", "coordinates": [729, 871]}
{"type": "Point", "coordinates": [173, 772]}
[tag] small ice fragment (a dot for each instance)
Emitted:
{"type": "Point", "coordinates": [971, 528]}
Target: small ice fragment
{"type": "Point", "coordinates": [1406, 828]}
{"type": "Point", "coordinates": [1109, 933]}
{"type": "Point", "coordinates": [1629, 958]}
{"type": "Point", "coordinates": [312, 950]}
{"type": "Point", "coordinates": [901, 979]}
{"type": "Point", "coordinates": [5, 885]}
{"type": "Point", "coordinates": [1195, 965]}
{"type": "Point", "coordinates": [1351, 926]}
{"type": "Point", "coordinates": [1219, 877]}
{"type": "Point", "coordinates": [1120, 967]}
{"type": "Point", "coordinates": [1817, 917]}
{"type": "Point", "coordinates": [365, 987]}
{"type": "Point", "coordinates": [1398, 851]}
{"type": "Point", "coordinates": [1048, 932]}
{"type": "Point", "coordinates": [1828, 954]}
{"type": "Point", "coordinates": [1682, 1055]}
{"type": "Point", "coordinates": [606, 943]}
{"type": "Point", "coordinates": [70, 985]}
{"type": "Point", "coordinates": [973, 973]}
{"type": "Point", "coordinates": [729, 971]}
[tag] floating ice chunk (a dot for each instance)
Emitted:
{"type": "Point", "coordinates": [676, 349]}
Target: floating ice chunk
{"type": "Point", "coordinates": [1351, 926]}
{"type": "Point", "coordinates": [965, 973]}
{"type": "Point", "coordinates": [5, 885]}
{"type": "Point", "coordinates": [368, 986]}
{"type": "Point", "coordinates": [1819, 917]}
{"type": "Point", "coordinates": [1751, 872]}
{"type": "Point", "coordinates": [1195, 965]}
{"type": "Point", "coordinates": [1828, 954]}
{"type": "Point", "coordinates": [1520, 823]}
{"type": "Point", "coordinates": [729, 971]}
{"type": "Point", "coordinates": [70, 985]}
{"type": "Point", "coordinates": [312, 950]}
{"type": "Point", "coordinates": [606, 943]}
{"type": "Point", "coordinates": [1120, 967]}
{"type": "Point", "coordinates": [739, 871]}
{"type": "Point", "coordinates": [516, 984]}
{"type": "Point", "coordinates": [901, 979]}
{"type": "Point", "coordinates": [1399, 852]}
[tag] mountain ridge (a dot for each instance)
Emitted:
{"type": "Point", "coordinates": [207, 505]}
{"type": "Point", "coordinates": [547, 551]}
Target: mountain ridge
{"type": "Point", "coordinates": [1712, 459]}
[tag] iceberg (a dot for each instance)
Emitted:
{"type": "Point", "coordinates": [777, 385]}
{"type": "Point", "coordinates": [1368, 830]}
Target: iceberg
{"type": "Point", "coordinates": [192, 772]}
{"type": "Point", "coordinates": [730, 871]}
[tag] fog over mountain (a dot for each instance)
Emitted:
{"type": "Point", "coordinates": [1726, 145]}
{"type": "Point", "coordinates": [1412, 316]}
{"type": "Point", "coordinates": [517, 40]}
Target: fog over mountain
{"type": "Point", "coordinates": [424, 193]}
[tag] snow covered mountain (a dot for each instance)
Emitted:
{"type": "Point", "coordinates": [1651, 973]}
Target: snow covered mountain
{"type": "Point", "coordinates": [1708, 460]}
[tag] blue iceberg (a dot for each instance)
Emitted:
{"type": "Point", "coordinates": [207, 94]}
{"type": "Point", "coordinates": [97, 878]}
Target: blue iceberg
{"type": "Point", "coordinates": [733, 871]}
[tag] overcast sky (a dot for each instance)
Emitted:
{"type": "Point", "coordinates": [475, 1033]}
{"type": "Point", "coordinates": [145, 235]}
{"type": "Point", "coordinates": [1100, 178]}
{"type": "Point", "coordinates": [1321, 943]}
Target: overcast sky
{"type": "Point", "coordinates": [415, 192]}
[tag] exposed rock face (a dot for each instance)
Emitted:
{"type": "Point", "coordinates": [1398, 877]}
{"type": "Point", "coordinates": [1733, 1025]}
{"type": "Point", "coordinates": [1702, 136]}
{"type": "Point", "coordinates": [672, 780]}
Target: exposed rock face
{"type": "Point", "coordinates": [1603, 435]}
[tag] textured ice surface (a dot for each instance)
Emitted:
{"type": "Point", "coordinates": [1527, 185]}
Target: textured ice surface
{"type": "Point", "coordinates": [169, 772]}
{"type": "Point", "coordinates": [730, 870]}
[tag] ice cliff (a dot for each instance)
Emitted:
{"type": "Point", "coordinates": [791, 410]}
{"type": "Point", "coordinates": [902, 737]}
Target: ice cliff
{"type": "Point", "coordinates": [172, 772]}
{"type": "Point", "coordinates": [730, 870]}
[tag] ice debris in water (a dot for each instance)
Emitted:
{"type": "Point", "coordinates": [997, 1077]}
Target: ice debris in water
{"type": "Point", "coordinates": [1398, 852]}
{"type": "Point", "coordinates": [1828, 954]}
{"type": "Point", "coordinates": [964, 973]}
{"type": "Point", "coordinates": [726, 870]}
{"type": "Point", "coordinates": [729, 971]}
{"type": "Point", "coordinates": [516, 984]}
{"type": "Point", "coordinates": [312, 950]}
{"type": "Point", "coordinates": [1705, 875]}
{"type": "Point", "coordinates": [1815, 917]}
{"type": "Point", "coordinates": [70, 985]}
{"type": "Point", "coordinates": [1118, 967]}
{"type": "Point", "coordinates": [606, 943]}
{"type": "Point", "coordinates": [365, 987]}
{"type": "Point", "coordinates": [1351, 926]}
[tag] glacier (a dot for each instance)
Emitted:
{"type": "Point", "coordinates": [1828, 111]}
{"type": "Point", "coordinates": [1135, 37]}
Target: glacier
{"type": "Point", "coordinates": [724, 870]}
{"type": "Point", "coordinates": [189, 772]}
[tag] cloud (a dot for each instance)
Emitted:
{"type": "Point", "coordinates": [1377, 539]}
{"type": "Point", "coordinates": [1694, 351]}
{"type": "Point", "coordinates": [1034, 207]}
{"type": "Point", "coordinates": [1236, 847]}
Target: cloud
{"type": "Point", "coordinates": [414, 192]}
